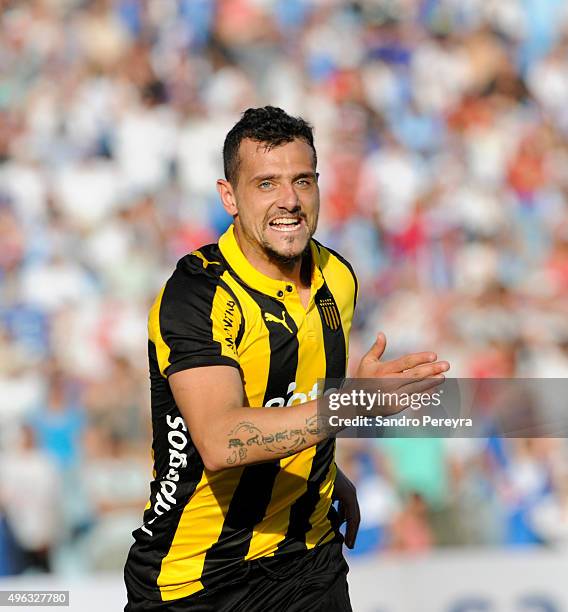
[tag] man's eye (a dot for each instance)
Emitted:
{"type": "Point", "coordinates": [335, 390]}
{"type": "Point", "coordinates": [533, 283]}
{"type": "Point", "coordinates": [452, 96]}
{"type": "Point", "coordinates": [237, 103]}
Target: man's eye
{"type": "Point", "coordinates": [265, 185]}
{"type": "Point", "coordinates": [303, 182]}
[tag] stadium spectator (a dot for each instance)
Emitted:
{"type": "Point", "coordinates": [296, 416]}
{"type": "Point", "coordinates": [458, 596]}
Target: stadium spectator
{"type": "Point", "coordinates": [30, 489]}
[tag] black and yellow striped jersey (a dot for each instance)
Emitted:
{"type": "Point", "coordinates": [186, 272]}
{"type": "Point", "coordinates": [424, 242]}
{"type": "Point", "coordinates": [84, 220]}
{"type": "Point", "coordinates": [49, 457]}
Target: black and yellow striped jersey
{"type": "Point", "coordinates": [218, 309]}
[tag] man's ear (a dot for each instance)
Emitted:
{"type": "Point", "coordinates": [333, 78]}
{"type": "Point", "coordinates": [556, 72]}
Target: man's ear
{"type": "Point", "coordinates": [227, 196]}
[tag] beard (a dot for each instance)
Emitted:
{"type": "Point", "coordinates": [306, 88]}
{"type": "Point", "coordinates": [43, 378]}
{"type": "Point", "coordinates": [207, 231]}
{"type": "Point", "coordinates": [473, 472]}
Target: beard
{"type": "Point", "coordinates": [282, 259]}
{"type": "Point", "coordinates": [285, 260]}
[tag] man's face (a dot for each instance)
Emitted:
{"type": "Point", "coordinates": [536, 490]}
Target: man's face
{"type": "Point", "coordinates": [276, 198]}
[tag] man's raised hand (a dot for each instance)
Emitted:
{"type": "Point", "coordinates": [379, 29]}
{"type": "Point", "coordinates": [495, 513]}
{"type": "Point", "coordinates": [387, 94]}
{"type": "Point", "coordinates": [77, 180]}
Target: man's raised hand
{"type": "Point", "coordinates": [413, 373]}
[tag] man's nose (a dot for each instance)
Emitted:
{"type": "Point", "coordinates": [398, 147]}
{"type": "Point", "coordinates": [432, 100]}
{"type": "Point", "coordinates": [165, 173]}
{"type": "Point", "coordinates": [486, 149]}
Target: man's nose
{"type": "Point", "coordinates": [289, 198]}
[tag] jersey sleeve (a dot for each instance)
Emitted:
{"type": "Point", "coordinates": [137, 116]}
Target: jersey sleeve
{"type": "Point", "coordinates": [194, 322]}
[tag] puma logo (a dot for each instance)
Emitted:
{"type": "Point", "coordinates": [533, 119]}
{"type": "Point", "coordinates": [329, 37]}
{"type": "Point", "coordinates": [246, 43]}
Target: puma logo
{"type": "Point", "coordinates": [205, 261]}
{"type": "Point", "coordinates": [268, 317]}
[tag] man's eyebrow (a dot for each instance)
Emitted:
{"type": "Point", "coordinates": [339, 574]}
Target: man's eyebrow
{"type": "Point", "coordinates": [264, 177]}
{"type": "Point", "coordinates": [269, 177]}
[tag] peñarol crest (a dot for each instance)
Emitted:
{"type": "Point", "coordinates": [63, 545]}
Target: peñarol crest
{"type": "Point", "coordinates": [330, 313]}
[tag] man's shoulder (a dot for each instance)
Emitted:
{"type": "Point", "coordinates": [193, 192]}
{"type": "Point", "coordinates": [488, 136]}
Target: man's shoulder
{"type": "Point", "coordinates": [205, 264]}
{"type": "Point", "coordinates": [195, 278]}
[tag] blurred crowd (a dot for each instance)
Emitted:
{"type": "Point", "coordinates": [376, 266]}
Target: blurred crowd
{"type": "Point", "coordinates": [441, 128]}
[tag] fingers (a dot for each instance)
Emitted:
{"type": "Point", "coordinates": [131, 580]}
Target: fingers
{"type": "Point", "coordinates": [378, 348]}
{"type": "Point", "coordinates": [408, 362]}
{"type": "Point", "coordinates": [395, 381]}
{"type": "Point", "coordinates": [424, 371]}
{"type": "Point", "coordinates": [423, 386]}
{"type": "Point", "coordinates": [411, 389]}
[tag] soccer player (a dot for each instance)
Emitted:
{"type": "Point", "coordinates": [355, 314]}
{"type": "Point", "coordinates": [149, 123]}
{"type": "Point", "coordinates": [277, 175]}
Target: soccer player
{"type": "Point", "coordinates": [240, 515]}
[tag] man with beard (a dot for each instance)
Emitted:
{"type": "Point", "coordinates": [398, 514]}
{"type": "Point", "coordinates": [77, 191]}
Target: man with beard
{"type": "Point", "coordinates": [240, 515]}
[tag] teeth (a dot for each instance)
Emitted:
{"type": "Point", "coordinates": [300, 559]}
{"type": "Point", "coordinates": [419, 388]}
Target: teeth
{"type": "Point", "coordinates": [284, 222]}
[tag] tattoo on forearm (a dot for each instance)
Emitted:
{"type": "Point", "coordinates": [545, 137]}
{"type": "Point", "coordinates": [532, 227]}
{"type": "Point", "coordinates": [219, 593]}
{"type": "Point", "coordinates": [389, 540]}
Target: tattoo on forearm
{"type": "Point", "coordinates": [285, 442]}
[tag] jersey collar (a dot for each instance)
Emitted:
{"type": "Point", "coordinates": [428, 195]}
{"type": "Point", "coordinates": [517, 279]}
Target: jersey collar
{"type": "Point", "coordinates": [257, 280]}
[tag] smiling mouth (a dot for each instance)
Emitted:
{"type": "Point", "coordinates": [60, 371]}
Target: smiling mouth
{"type": "Point", "coordinates": [285, 224]}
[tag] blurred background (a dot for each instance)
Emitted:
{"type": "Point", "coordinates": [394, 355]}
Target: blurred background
{"type": "Point", "coordinates": [441, 128]}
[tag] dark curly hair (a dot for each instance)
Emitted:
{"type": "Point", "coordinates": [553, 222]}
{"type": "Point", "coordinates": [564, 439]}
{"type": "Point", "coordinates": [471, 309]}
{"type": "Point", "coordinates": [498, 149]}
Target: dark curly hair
{"type": "Point", "coordinates": [269, 125]}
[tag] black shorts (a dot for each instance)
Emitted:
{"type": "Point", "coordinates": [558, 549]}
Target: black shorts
{"type": "Point", "coordinates": [315, 580]}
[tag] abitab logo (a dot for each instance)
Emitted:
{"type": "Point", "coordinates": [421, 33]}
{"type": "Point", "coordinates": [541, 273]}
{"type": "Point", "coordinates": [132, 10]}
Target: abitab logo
{"type": "Point", "coordinates": [293, 396]}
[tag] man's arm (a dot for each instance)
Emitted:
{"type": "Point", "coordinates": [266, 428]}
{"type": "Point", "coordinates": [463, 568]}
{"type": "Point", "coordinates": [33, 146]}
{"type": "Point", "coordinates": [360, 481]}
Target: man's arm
{"type": "Point", "coordinates": [227, 433]}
